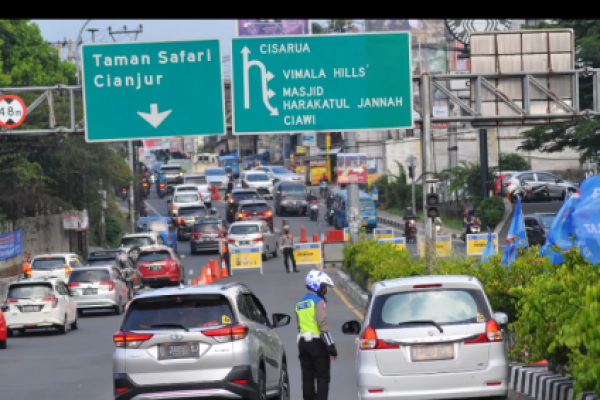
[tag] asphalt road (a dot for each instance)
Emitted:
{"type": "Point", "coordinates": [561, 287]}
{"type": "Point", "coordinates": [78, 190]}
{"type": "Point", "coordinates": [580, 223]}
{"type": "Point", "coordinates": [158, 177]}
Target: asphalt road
{"type": "Point", "coordinates": [541, 207]}
{"type": "Point", "coordinates": [79, 364]}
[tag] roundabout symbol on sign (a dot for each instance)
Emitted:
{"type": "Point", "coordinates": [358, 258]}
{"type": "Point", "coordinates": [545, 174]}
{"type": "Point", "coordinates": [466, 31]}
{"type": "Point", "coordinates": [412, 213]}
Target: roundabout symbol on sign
{"type": "Point", "coordinates": [12, 111]}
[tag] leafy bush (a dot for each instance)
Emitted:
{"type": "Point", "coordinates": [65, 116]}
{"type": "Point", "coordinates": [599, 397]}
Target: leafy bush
{"type": "Point", "coordinates": [395, 192]}
{"type": "Point", "coordinates": [492, 210]}
{"type": "Point", "coordinates": [513, 162]}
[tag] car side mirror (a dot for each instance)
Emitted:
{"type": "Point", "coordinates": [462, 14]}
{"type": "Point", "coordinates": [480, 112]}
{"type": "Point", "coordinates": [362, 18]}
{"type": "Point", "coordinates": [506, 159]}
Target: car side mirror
{"type": "Point", "coordinates": [501, 318]}
{"type": "Point", "coordinates": [280, 320]}
{"type": "Point", "coordinates": [351, 328]}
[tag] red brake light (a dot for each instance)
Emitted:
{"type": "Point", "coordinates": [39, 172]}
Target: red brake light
{"type": "Point", "coordinates": [73, 284]}
{"type": "Point", "coordinates": [11, 301]}
{"type": "Point", "coordinates": [258, 239]}
{"type": "Point", "coordinates": [110, 284]}
{"type": "Point", "coordinates": [492, 334]}
{"type": "Point", "coordinates": [240, 381]}
{"type": "Point", "coordinates": [427, 286]}
{"type": "Point", "coordinates": [130, 340]}
{"type": "Point", "coordinates": [227, 333]}
{"type": "Point", "coordinates": [54, 301]}
{"type": "Point", "coordinates": [122, 389]}
{"type": "Point", "coordinates": [173, 207]}
{"type": "Point", "coordinates": [124, 189]}
{"type": "Point", "coordinates": [375, 390]}
{"type": "Point", "coordinates": [494, 383]}
{"type": "Point", "coordinates": [369, 341]}
{"type": "Point", "coordinates": [231, 240]}
{"type": "Point", "coordinates": [196, 235]}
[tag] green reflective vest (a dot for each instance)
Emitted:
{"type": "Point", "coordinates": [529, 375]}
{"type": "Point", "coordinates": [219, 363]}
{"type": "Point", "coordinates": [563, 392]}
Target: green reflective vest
{"type": "Point", "coordinates": [307, 316]}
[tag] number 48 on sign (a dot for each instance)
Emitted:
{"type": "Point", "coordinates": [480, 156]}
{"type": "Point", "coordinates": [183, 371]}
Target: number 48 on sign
{"type": "Point", "coordinates": [12, 111]}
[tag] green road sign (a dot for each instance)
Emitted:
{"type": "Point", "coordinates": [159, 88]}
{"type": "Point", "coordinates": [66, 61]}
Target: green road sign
{"type": "Point", "coordinates": [139, 90]}
{"type": "Point", "coordinates": [321, 83]}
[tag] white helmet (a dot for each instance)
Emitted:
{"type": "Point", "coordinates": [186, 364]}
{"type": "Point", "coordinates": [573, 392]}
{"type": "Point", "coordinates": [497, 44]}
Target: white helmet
{"type": "Point", "coordinates": [315, 279]}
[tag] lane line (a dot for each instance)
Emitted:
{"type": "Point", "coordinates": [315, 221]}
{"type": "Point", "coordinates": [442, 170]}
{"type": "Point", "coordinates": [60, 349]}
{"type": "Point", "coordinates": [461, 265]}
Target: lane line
{"type": "Point", "coordinates": [153, 210]}
{"type": "Point", "coordinates": [347, 303]}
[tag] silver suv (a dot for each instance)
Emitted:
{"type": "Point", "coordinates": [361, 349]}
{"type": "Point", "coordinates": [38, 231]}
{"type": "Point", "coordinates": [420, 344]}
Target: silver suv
{"type": "Point", "coordinates": [212, 341]}
{"type": "Point", "coordinates": [430, 337]}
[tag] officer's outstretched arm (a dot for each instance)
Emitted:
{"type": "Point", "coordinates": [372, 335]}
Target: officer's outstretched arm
{"type": "Point", "coordinates": [321, 316]}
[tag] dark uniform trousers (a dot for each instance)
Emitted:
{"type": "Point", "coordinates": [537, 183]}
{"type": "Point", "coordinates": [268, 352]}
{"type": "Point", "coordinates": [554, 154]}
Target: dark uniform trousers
{"type": "Point", "coordinates": [315, 364]}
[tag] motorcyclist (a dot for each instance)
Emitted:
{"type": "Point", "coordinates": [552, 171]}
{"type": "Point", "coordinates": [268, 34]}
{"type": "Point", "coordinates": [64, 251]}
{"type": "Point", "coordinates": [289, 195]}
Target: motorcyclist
{"type": "Point", "coordinates": [229, 187]}
{"type": "Point", "coordinates": [329, 204]}
{"type": "Point", "coordinates": [469, 219]}
{"type": "Point", "coordinates": [408, 216]}
{"type": "Point", "coordinates": [323, 187]}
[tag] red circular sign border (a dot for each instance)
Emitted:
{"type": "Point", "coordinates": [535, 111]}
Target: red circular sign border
{"type": "Point", "coordinates": [12, 96]}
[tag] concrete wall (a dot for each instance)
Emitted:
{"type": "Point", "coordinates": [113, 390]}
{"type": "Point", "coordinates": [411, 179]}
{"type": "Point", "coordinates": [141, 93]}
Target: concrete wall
{"type": "Point", "coordinates": [43, 234]}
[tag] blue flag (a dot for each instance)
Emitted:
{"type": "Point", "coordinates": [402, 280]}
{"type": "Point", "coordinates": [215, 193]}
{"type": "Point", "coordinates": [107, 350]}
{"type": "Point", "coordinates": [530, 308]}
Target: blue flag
{"type": "Point", "coordinates": [490, 249]}
{"type": "Point", "coordinates": [586, 220]}
{"type": "Point", "coordinates": [517, 236]}
{"type": "Point", "coordinates": [561, 231]}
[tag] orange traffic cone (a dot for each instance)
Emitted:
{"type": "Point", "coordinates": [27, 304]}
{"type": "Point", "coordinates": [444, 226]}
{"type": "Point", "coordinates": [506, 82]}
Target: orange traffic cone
{"type": "Point", "coordinates": [303, 236]}
{"type": "Point", "coordinates": [208, 275]}
{"type": "Point", "coordinates": [224, 272]}
{"type": "Point", "coordinates": [215, 270]}
{"type": "Point", "coordinates": [315, 238]}
{"type": "Point", "coordinates": [194, 283]}
{"type": "Point", "coordinates": [215, 193]}
{"type": "Point", "coordinates": [202, 278]}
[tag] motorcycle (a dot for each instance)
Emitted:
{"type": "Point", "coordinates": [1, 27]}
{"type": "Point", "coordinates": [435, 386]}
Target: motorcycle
{"type": "Point", "coordinates": [124, 193]}
{"type": "Point", "coordinates": [533, 192]}
{"type": "Point", "coordinates": [145, 189]}
{"type": "Point", "coordinates": [162, 190]}
{"type": "Point", "coordinates": [323, 189]}
{"type": "Point", "coordinates": [314, 210]}
{"type": "Point", "coordinates": [411, 231]}
{"type": "Point", "coordinates": [472, 229]}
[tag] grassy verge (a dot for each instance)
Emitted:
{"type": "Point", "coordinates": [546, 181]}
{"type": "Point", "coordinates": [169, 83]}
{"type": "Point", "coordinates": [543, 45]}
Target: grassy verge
{"type": "Point", "coordinates": [452, 223]}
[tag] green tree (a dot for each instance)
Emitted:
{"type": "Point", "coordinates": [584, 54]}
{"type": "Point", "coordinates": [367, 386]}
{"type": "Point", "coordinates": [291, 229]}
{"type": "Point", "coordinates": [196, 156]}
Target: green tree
{"type": "Point", "coordinates": [340, 24]}
{"type": "Point", "coordinates": [513, 162]}
{"type": "Point", "coordinates": [318, 29]}
{"type": "Point", "coordinates": [580, 135]}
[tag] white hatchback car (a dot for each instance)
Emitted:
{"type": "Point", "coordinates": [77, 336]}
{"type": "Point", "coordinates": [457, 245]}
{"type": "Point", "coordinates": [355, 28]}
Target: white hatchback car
{"type": "Point", "coordinates": [39, 303]}
{"type": "Point", "coordinates": [254, 234]}
{"type": "Point", "coordinates": [430, 337]}
{"type": "Point", "coordinates": [184, 198]}
{"type": "Point", "coordinates": [58, 265]}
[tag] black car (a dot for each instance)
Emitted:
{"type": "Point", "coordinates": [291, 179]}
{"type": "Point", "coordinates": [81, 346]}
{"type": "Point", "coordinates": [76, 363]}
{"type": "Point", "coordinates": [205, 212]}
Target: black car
{"type": "Point", "coordinates": [117, 258]}
{"type": "Point", "coordinates": [206, 235]}
{"type": "Point", "coordinates": [186, 218]}
{"type": "Point", "coordinates": [236, 196]}
{"type": "Point", "coordinates": [291, 197]}
{"type": "Point", "coordinates": [538, 226]}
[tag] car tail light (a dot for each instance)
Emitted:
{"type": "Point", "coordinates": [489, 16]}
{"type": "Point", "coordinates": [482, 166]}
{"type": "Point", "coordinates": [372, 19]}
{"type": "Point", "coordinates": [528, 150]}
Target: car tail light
{"type": "Point", "coordinates": [196, 235]}
{"type": "Point", "coordinates": [144, 184]}
{"type": "Point", "coordinates": [258, 239]}
{"type": "Point", "coordinates": [228, 333]}
{"type": "Point", "coordinates": [54, 301]}
{"type": "Point", "coordinates": [240, 381]}
{"type": "Point", "coordinates": [162, 185]}
{"type": "Point", "coordinates": [427, 286]}
{"type": "Point", "coordinates": [67, 270]}
{"type": "Point", "coordinates": [231, 240]}
{"type": "Point", "coordinates": [494, 383]}
{"type": "Point", "coordinates": [11, 301]}
{"type": "Point", "coordinates": [173, 207]}
{"type": "Point", "coordinates": [492, 334]}
{"type": "Point", "coordinates": [369, 341]}
{"type": "Point", "coordinates": [73, 284]}
{"type": "Point", "coordinates": [121, 389]}
{"type": "Point", "coordinates": [375, 390]}
{"type": "Point", "coordinates": [130, 340]}
{"type": "Point", "coordinates": [124, 189]}
{"type": "Point", "coordinates": [110, 284]}
{"type": "Point", "coordinates": [180, 222]}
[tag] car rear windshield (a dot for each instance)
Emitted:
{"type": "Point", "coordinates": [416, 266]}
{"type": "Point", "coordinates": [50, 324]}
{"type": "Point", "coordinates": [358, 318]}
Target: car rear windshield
{"type": "Point", "coordinates": [48, 263]}
{"type": "Point", "coordinates": [192, 211]}
{"type": "Point", "coordinates": [257, 177]}
{"type": "Point", "coordinates": [214, 171]}
{"type": "Point", "coordinates": [157, 225]}
{"type": "Point", "coordinates": [30, 291]}
{"type": "Point", "coordinates": [187, 189]}
{"type": "Point", "coordinates": [107, 254]}
{"type": "Point", "coordinates": [207, 227]}
{"type": "Point", "coordinates": [152, 256]}
{"type": "Point", "coordinates": [254, 207]}
{"type": "Point", "coordinates": [191, 311]}
{"type": "Point", "coordinates": [89, 275]}
{"type": "Point", "coordinates": [444, 306]}
{"type": "Point", "coordinates": [186, 198]}
{"type": "Point", "coordinates": [135, 241]}
{"type": "Point", "coordinates": [244, 229]}
{"type": "Point", "coordinates": [200, 180]}
{"type": "Point", "coordinates": [245, 196]}
{"type": "Point", "coordinates": [279, 170]}
{"type": "Point", "coordinates": [166, 168]}
{"type": "Point", "coordinates": [103, 261]}
{"type": "Point", "coordinates": [294, 190]}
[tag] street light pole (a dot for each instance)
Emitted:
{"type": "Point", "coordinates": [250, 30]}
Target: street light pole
{"type": "Point", "coordinates": [77, 58]}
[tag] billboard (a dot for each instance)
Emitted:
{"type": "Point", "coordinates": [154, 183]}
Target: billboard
{"type": "Point", "coordinates": [11, 244]}
{"type": "Point", "coordinates": [272, 27]}
{"type": "Point", "coordinates": [74, 220]}
{"type": "Point", "coordinates": [352, 168]}
{"type": "Point", "coordinates": [156, 144]}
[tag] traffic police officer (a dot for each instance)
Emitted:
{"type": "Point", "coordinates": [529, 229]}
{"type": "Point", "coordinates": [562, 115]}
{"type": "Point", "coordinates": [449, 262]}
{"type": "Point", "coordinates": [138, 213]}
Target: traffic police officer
{"type": "Point", "coordinates": [315, 345]}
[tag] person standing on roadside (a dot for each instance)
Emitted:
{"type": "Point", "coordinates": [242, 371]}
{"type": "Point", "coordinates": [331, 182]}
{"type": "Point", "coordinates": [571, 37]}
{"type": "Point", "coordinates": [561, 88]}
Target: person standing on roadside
{"type": "Point", "coordinates": [286, 244]}
{"type": "Point", "coordinates": [225, 250]}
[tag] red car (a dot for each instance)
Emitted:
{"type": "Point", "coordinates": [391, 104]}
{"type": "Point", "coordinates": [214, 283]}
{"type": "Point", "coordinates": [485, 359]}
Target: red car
{"type": "Point", "coordinates": [160, 266]}
{"type": "Point", "coordinates": [2, 331]}
{"type": "Point", "coordinates": [249, 210]}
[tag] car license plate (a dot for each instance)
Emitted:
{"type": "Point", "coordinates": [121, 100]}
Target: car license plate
{"type": "Point", "coordinates": [173, 351]}
{"type": "Point", "coordinates": [90, 291]}
{"type": "Point", "coordinates": [432, 352]}
{"type": "Point", "coordinates": [155, 268]}
{"type": "Point", "coordinates": [31, 308]}
{"type": "Point", "coordinates": [245, 243]}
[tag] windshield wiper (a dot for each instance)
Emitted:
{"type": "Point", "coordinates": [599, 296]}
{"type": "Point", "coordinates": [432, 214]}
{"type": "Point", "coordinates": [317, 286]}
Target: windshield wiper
{"type": "Point", "coordinates": [177, 326]}
{"type": "Point", "coordinates": [422, 322]}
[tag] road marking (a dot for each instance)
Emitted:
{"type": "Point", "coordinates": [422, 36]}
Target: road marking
{"type": "Point", "coordinates": [153, 210]}
{"type": "Point", "coordinates": [347, 303]}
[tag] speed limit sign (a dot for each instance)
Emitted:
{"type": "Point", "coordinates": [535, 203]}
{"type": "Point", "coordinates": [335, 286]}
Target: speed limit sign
{"type": "Point", "coordinates": [12, 111]}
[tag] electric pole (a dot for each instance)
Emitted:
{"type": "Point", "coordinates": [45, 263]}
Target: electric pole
{"type": "Point", "coordinates": [132, 194]}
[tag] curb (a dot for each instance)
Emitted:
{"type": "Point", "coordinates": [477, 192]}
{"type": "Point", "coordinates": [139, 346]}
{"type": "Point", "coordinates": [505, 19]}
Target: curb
{"type": "Point", "coordinates": [508, 209]}
{"type": "Point", "coordinates": [543, 385]}
{"type": "Point", "coordinates": [358, 297]}
{"type": "Point", "coordinates": [400, 225]}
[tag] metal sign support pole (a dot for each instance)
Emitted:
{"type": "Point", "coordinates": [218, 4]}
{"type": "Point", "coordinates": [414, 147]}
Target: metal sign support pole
{"type": "Point", "coordinates": [425, 144]}
{"type": "Point", "coordinates": [354, 218]}
{"type": "Point", "coordinates": [131, 201]}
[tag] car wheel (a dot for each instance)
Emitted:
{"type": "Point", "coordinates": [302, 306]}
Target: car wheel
{"type": "Point", "coordinates": [74, 325]}
{"type": "Point", "coordinates": [9, 333]}
{"type": "Point", "coordinates": [265, 255]}
{"type": "Point", "coordinates": [79, 312]}
{"type": "Point", "coordinates": [284, 384]}
{"type": "Point", "coordinates": [63, 328]}
{"type": "Point", "coordinates": [118, 308]}
{"type": "Point", "coordinates": [262, 385]}
{"type": "Point", "coordinates": [276, 252]}
{"type": "Point", "coordinates": [2, 344]}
